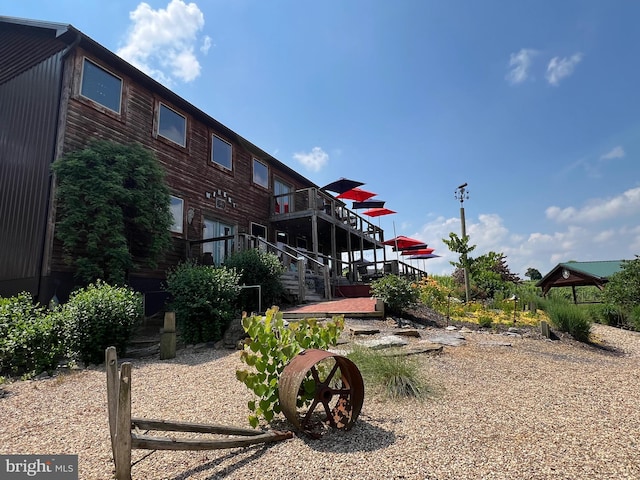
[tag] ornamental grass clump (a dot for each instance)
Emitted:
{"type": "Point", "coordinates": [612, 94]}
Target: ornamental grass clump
{"type": "Point", "coordinates": [568, 318]}
{"type": "Point", "coordinates": [394, 376]}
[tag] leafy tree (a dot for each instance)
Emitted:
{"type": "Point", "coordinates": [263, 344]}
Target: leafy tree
{"type": "Point", "coordinates": [460, 246]}
{"type": "Point", "coordinates": [533, 274]}
{"type": "Point", "coordinates": [113, 210]}
{"type": "Point", "coordinates": [623, 288]}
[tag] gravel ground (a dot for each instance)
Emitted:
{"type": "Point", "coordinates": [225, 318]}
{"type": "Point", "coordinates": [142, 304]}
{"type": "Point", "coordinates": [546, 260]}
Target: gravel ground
{"type": "Point", "coordinates": [537, 409]}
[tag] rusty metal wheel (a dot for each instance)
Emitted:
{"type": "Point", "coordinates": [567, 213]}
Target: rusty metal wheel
{"type": "Point", "coordinates": [327, 385]}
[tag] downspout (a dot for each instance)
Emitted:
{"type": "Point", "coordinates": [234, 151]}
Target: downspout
{"type": "Point", "coordinates": [47, 241]}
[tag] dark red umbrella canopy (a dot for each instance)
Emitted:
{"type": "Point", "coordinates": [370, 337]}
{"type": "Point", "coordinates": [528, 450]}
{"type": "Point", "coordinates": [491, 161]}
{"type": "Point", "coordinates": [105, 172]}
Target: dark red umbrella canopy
{"type": "Point", "coordinates": [421, 251]}
{"type": "Point", "coordinates": [356, 194]}
{"type": "Point", "coordinates": [402, 242]}
{"type": "Point", "coordinates": [342, 185]}
{"type": "Point", "coordinates": [376, 212]}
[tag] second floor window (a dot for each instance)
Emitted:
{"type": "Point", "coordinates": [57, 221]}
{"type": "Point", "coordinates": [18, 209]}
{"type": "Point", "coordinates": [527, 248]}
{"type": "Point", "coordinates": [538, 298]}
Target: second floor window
{"type": "Point", "coordinates": [260, 173]}
{"type": "Point", "coordinates": [221, 152]}
{"type": "Point", "coordinates": [101, 86]}
{"type": "Point", "coordinates": [172, 125]}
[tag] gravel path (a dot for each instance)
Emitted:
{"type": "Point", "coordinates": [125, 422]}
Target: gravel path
{"type": "Point", "coordinates": [538, 409]}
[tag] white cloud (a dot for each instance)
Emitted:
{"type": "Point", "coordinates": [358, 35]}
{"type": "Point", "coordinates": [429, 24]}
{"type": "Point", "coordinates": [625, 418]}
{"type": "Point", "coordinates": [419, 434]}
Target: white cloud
{"type": "Point", "coordinates": [313, 160]}
{"type": "Point", "coordinates": [625, 204]}
{"type": "Point", "coordinates": [161, 42]}
{"type": "Point", "coordinates": [615, 152]}
{"type": "Point", "coordinates": [206, 44]}
{"type": "Point", "coordinates": [560, 68]}
{"type": "Point", "coordinates": [519, 64]}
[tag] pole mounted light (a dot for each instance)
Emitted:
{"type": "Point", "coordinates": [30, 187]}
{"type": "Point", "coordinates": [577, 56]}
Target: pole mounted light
{"type": "Point", "coordinates": [461, 194]}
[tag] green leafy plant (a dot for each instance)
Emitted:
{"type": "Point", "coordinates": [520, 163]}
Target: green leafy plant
{"type": "Point", "coordinates": [203, 298]}
{"type": "Point", "coordinates": [396, 292]}
{"type": "Point", "coordinates": [99, 316]}
{"type": "Point", "coordinates": [272, 344]}
{"type": "Point", "coordinates": [394, 376]}
{"type": "Point", "coordinates": [257, 267]}
{"type": "Point", "coordinates": [113, 210]}
{"type": "Point", "coordinates": [31, 339]}
{"type": "Point", "coordinates": [485, 321]}
{"type": "Point", "coordinates": [568, 318]}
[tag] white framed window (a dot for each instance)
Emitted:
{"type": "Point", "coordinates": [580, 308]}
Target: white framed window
{"type": "Point", "coordinates": [221, 152]}
{"type": "Point", "coordinates": [101, 86]}
{"type": "Point", "coordinates": [260, 173]}
{"type": "Point", "coordinates": [172, 125]}
{"type": "Point", "coordinates": [177, 210]}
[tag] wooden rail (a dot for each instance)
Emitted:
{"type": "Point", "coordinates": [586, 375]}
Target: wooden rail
{"type": "Point", "coordinates": [123, 439]}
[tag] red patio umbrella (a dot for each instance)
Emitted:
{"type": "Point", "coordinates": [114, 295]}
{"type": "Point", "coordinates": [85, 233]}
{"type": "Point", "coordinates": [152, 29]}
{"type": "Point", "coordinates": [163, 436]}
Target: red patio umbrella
{"type": "Point", "coordinates": [356, 194]}
{"type": "Point", "coordinates": [402, 242]}
{"type": "Point", "coordinates": [421, 251]}
{"type": "Point", "coordinates": [376, 212]}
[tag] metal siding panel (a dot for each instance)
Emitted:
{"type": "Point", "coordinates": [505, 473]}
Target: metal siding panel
{"type": "Point", "coordinates": [28, 119]}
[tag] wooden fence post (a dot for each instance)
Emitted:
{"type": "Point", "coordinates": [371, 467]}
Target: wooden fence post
{"type": "Point", "coordinates": [168, 337]}
{"type": "Point", "coordinates": [123, 425]}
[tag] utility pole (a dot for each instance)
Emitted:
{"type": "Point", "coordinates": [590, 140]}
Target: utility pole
{"type": "Point", "coordinates": [461, 193]}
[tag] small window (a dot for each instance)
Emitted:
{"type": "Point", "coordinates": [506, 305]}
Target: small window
{"type": "Point", "coordinates": [260, 173]}
{"type": "Point", "coordinates": [177, 208]}
{"type": "Point", "coordinates": [172, 125]}
{"type": "Point", "coordinates": [101, 86]}
{"type": "Point", "coordinates": [221, 152]}
{"type": "Point", "coordinates": [258, 230]}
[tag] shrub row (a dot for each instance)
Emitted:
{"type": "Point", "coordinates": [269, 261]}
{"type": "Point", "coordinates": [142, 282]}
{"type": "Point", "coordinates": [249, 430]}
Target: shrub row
{"type": "Point", "coordinates": [33, 338]}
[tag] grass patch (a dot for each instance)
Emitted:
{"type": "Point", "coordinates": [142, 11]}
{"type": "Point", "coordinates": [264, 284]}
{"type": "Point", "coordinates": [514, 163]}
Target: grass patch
{"type": "Point", "coordinates": [569, 318]}
{"type": "Point", "coordinates": [394, 376]}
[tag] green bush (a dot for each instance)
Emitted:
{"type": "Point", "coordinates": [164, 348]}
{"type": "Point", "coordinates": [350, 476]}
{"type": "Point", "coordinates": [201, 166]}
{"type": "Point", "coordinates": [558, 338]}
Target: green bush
{"type": "Point", "coordinates": [634, 318]}
{"type": "Point", "coordinates": [31, 339]}
{"type": "Point", "coordinates": [607, 314]}
{"type": "Point", "coordinates": [485, 321]}
{"type": "Point", "coordinates": [396, 292]}
{"type": "Point", "coordinates": [394, 376]}
{"type": "Point", "coordinates": [258, 268]}
{"type": "Point", "coordinates": [203, 299]}
{"type": "Point", "coordinates": [272, 345]}
{"type": "Point", "coordinates": [100, 316]}
{"type": "Point", "coordinates": [568, 318]}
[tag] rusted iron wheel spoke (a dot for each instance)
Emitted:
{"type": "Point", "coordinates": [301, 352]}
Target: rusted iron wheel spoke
{"type": "Point", "coordinates": [329, 418]}
{"type": "Point", "coordinates": [331, 374]}
{"type": "Point", "coordinates": [314, 373]}
{"type": "Point", "coordinates": [307, 417]}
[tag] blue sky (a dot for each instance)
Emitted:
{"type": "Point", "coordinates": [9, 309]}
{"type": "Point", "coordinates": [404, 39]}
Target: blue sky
{"type": "Point", "coordinates": [534, 104]}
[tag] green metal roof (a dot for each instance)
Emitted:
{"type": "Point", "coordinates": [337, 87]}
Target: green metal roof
{"type": "Point", "coordinates": [603, 269]}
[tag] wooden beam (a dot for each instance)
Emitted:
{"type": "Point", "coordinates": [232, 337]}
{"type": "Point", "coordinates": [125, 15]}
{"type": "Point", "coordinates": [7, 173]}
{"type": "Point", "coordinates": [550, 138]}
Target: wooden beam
{"type": "Point", "coordinates": [176, 426]}
{"type": "Point", "coordinates": [163, 443]}
{"type": "Point", "coordinates": [111, 362]}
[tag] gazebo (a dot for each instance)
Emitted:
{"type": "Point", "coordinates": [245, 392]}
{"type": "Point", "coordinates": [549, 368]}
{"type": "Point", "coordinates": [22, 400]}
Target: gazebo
{"type": "Point", "coordinates": [578, 274]}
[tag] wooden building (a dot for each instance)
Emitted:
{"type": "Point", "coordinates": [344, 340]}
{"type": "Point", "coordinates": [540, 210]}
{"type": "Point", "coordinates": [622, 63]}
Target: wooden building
{"type": "Point", "coordinates": [60, 90]}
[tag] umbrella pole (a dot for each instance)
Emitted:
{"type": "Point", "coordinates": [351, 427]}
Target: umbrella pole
{"type": "Point", "coordinates": [396, 242]}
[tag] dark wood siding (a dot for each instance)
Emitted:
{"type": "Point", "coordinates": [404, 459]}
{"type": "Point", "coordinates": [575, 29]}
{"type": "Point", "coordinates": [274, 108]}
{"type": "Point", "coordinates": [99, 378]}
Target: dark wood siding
{"type": "Point", "coordinates": [190, 173]}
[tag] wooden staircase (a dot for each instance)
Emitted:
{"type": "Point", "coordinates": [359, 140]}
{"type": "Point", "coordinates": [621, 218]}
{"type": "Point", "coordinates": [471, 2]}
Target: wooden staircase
{"type": "Point", "coordinates": [313, 287]}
